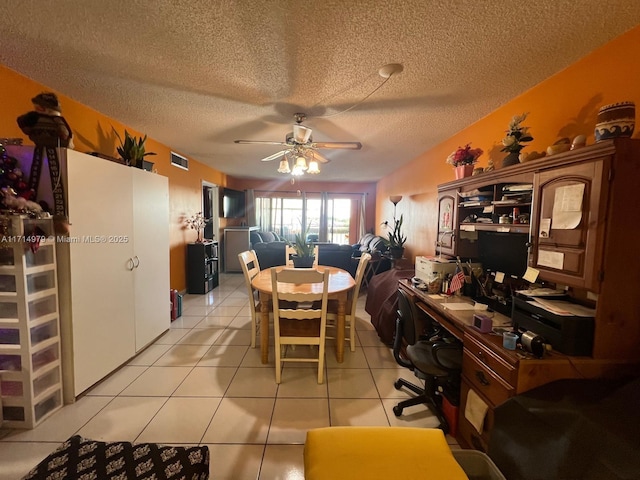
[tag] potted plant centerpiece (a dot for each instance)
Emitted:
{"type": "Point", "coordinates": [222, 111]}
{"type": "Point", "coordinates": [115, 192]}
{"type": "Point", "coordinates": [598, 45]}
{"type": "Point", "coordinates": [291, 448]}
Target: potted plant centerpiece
{"type": "Point", "coordinates": [305, 251]}
{"type": "Point", "coordinates": [396, 240]}
{"type": "Point", "coordinates": [513, 142]}
{"type": "Point", "coordinates": [463, 160]}
{"type": "Point", "coordinates": [132, 151]}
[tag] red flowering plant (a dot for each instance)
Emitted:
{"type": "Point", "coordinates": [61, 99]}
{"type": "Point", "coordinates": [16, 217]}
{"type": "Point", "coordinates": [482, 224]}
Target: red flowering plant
{"type": "Point", "coordinates": [464, 156]}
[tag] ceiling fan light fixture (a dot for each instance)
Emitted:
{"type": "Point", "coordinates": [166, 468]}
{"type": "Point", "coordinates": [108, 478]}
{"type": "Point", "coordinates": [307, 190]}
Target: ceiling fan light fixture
{"type": "Point", "coordinates": [284, 166]}
{"type": "Point", "coordinates": [301, 163]}
{"type": "Point", "coordinates": [313, 167]}
{"type": "Point", "coordinates": [297, 171]}
{"type": "Point", "coordinates": [301, 134]}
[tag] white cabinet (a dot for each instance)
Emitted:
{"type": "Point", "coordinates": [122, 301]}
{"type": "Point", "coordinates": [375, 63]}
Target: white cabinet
{"type": "Point", "coordinates": [151, 256]}
{"type": "Point", "coordinates": [113, 267]}
{"type": "Point", "coordinates": [30, 384]}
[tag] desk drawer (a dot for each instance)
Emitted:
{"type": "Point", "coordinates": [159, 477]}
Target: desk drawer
{"type": "Point", "coordinates": [485, 380]}
{"type": "Point", "coordinates": [468, 436]}
{"type": "Point", "coordinates": [508, 372]}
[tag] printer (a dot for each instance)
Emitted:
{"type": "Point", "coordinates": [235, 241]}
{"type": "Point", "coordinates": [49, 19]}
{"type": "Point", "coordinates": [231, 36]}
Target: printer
{"type": "Point", "coordinates": [568, 334]}
{"type": "Point", "coordinates": [426, 266]}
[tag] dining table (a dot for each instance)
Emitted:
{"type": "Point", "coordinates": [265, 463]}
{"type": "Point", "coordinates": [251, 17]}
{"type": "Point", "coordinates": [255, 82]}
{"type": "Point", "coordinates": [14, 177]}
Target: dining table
{"type": "Point", "coordinates": [340, 283]}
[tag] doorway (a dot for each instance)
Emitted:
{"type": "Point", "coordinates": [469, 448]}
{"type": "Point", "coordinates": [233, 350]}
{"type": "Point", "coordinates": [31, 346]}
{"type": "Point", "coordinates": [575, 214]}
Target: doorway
{"type": "Point", "coordinates": [210, 210]}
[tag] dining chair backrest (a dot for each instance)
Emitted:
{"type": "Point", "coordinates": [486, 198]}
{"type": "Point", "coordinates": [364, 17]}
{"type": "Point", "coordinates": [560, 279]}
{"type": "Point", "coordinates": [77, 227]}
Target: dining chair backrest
{"type": "Point", "coordinates": [300, 299]}
{"type": "Point", "coordinates": [355, 292]}
{"type": "Point", "coordinates": [250, 268]}
{"type": "Point", "coordinates": [352, 301]}
{"type": "Point", "coordinates": [289, 251]}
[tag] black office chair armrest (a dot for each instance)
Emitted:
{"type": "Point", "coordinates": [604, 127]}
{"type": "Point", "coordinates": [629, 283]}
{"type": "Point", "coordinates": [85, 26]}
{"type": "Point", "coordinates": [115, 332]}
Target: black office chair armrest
{"type": "Point", "coordinates": [397, 345]}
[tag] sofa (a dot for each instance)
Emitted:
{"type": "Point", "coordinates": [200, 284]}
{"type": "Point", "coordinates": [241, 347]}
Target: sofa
{"type": "Point", "coordinates": [260, 236]}
{"type": "Point", "coordinates": [369, 243]}
{"type": "Point", "coordinates": [271, 254]}
{"type": "Point", "coordinates": [270, 248]}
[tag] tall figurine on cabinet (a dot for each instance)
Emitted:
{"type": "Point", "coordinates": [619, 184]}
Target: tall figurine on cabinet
{"type": "Point", "coordinates": [47, 129]}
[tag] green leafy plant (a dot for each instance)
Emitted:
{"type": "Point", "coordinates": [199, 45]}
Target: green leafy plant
{"type": "Point", "coordinates": [303, 248]}
{"type": "Point", "coordinates": [516, 135]}
{"type": "Point", "coordinates": [132, 150]}
{"type": "Point", "coordinates": [395, 237]}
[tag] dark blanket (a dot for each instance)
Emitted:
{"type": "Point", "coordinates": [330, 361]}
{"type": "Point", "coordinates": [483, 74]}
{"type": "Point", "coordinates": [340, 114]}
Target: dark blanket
{"type": "Point", "coordinates": [82, 458]}
{"type": "Point", "coordinates": [569, 430]}
{"type": "Point", "coordinates": [381, 302]}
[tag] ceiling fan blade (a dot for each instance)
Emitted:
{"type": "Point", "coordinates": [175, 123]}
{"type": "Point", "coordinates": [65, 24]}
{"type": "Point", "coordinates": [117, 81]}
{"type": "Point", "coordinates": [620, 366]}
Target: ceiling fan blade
{"type": "Point", "coordinates": [274, 156]}
{"type": "Point", "coordinates": [344, 145]}
{"type": "Point", "coordinates": [318, 157]}
{"type": "Point", "coordinates": [301, 134]}
{"type": "Point", "coordinates": [258, 142]}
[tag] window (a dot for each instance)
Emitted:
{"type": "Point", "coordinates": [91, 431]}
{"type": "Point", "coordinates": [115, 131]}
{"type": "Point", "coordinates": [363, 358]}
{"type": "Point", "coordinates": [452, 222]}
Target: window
{"type": "Point", "coordinates": [327, 217]}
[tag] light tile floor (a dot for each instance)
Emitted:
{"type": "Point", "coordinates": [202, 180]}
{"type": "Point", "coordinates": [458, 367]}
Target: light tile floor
{"type": "Point", "coordinates": [202, 383]}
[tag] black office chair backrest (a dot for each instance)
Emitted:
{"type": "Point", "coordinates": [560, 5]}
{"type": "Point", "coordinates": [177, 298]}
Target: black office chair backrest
{"type": "Point", "coordinates": [408, 313]}
{"type": "Point", "coordinates": [447, 351]}
{"type": "Point", "coordinates": [405, 328]}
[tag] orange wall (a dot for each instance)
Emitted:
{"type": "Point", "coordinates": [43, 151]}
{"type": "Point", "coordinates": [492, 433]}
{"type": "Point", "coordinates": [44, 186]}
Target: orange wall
{"type": "Point", "coordinates": [92, 131]}
{"type": "Point", "coordinates": [564, 105]}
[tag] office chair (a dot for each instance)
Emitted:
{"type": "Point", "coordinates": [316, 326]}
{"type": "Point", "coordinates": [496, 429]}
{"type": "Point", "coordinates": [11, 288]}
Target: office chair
{"type": "Point", "coordinates": [437, 360]}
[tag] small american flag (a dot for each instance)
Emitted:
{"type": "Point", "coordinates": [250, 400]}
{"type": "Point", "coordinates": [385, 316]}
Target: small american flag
{"type": "Point", "coordinates": [457, 281]}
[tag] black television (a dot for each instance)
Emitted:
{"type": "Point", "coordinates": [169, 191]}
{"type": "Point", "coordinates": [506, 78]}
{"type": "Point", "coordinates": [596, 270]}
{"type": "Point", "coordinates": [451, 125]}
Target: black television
{"type": "Point", "coordinates": [503, 252]}
{"type": "Point", "coordinates": [232, 203]}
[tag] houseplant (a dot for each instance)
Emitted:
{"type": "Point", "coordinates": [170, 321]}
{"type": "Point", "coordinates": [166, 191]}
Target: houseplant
{"type": "Point", "coordinates": [132, 150]}
{"type": "Point", "coordinates": [463, 160]}
{"type": "Point", "coordinates": [513, 141]}
{"type": "Point", "coordinates": [305, 249]}
{"type": "Point", "coordinates": [396, 240]}
{"type": "Point", "coordinates": [197, 222]}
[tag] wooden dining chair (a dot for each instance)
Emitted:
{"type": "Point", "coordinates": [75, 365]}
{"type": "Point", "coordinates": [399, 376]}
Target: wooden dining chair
{"type": "Point", "coordinates": [250, 268]}
{"type": "Point", "coordinates": [350, 308]}
{"type": "Point", "coordinates": [303, 322]}
{"type": "Point", "coordinates": [289, 250]}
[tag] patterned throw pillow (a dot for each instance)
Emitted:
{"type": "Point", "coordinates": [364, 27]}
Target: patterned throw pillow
{"type": "Point", "coordinates": [83, 459]}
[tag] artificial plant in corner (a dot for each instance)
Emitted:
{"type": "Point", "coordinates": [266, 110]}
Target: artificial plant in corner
{"type": "Point", "coordinates": [396, 240]}
{"type": "Point", "coordinates": [132, 150]}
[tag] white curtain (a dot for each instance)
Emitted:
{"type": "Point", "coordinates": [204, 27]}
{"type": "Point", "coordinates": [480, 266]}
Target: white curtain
{"type": "Point", "coordinates": [362, 223]}
{"type": "Point", "coordinates": [251, 208]}
{"type": "Point", "coordinates": [324, 208]}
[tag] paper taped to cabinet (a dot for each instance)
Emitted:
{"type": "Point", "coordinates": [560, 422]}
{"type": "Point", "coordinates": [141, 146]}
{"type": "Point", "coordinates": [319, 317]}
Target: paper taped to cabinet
{"type": "Point", "coordinates": [550, 259]}
{"type": "Point", "coordinates": [567, 206]}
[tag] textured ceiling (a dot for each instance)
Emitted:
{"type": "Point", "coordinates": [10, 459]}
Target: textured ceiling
{"type": "Point", "coordinates": [196, 75]}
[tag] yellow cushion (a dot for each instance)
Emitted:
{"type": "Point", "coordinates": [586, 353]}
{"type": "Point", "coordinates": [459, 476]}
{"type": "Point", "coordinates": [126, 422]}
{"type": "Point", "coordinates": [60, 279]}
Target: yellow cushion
{"type": "Point", "coordinates": [371, 453]}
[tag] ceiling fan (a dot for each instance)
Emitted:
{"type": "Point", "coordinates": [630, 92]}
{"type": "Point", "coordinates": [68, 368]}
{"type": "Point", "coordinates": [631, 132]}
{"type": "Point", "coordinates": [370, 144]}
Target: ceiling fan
{"type": "Point", "coordinates": [300, 142]}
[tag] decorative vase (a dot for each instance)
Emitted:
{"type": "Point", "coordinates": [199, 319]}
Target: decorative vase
{"type": "Point", "coordinates": [396, 252]}
{"type": "Point", "coordinates": [463, 171]}
{"type": "Point", "coordinates": [199, 239]}
{"type": "Point", "coordinates": [512, 159]}
{"type": "Point", "coordinates": [615, 120]}
{"type": "Point", "coordinates": [302, 262]}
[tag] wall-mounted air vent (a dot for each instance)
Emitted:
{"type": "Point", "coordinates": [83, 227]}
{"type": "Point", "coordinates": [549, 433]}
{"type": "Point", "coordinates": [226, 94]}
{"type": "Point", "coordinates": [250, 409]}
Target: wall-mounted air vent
{"type": "Point", "coordinates": [179, 161]}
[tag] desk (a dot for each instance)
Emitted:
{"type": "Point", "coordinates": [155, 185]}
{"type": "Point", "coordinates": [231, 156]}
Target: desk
{"type": "Point", "coordinates": [340, 282]}
{"type": "Point", "coordinates": [492, 372]}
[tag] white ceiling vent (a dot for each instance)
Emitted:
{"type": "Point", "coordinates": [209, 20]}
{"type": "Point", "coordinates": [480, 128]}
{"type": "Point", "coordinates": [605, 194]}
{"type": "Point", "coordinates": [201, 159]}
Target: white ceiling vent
{"type": "Point", "coordinates": [179, 161]}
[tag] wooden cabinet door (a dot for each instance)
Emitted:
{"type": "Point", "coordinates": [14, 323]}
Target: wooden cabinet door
{"type": "Point", "coordinates": [447, 222]}
{"type": "Point", "coordinates": [569, 223]}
